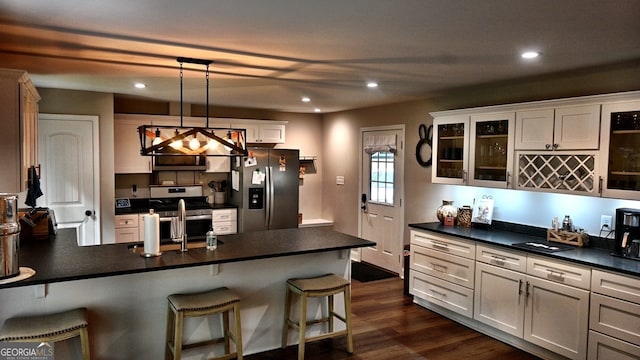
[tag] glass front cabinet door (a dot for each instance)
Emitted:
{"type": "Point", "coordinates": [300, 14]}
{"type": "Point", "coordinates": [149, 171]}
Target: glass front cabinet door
{"type": "Point", "coordinates": [491, 149]}
{"type": "Point", "coordinates": [450, 150]}
{"type": "Point", "coordinates": [621, 150]}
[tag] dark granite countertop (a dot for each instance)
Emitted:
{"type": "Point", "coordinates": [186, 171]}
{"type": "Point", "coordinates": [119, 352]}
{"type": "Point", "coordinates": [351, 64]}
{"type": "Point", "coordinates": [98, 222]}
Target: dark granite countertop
{"type": "Point", "coordinates": [61, 259]}
{"type": "Point", "coordinates": [595, 257]}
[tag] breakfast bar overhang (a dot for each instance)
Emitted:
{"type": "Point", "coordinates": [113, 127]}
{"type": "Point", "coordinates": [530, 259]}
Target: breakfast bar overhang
{"type": "Point", "coordinates": [126, 294]}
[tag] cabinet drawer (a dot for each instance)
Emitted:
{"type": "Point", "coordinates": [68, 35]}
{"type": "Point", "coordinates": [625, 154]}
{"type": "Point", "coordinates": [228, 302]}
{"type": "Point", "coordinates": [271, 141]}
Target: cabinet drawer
{"type": "Point", "coordinates": [559, 272]}
{"type": "Point", "coordinates": [445, 266]}
{"type": "Point", "coordinates": [618, 286]}
{"type": "Point", "coordinates": [224, 215]}
{"type": "Point", "coordinates": [451, 296]}
{"type": "Point", "coordinates": [126, 221]}
{"type": "Point", "coordinates": [502, 258]}
{"type": "Point", "coordinates": [226, 227]}
{"type": "Point", "coordinates": [125, 235]}
{"type": "Point", "coordinates": [614, 317]}
{"type": "Point", "coordinates": [603, 347]}
{"type": "Point", "coordinates": [444, 243]}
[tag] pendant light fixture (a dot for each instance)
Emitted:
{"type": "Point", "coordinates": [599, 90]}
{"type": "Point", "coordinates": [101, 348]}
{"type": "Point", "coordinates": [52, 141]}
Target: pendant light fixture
{"type": "Point", "coordinates": [200, 141]}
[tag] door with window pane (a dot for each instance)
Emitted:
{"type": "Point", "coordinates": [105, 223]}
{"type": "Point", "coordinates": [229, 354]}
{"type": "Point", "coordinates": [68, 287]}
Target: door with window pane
{"type": "Point", "coordinates": [381, 211]}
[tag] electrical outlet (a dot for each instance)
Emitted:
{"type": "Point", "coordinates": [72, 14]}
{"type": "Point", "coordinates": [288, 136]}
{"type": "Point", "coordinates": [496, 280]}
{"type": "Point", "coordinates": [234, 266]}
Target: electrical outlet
{"type": "Point", "coordinates": [605, 222]}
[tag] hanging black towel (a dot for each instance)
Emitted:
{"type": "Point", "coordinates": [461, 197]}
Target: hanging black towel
{"type": "Point", "coordinates": [33, 187]}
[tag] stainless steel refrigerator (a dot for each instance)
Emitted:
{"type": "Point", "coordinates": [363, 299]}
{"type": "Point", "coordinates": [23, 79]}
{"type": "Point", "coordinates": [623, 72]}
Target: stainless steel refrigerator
{"type": "Point", "coordinates": [267, 197]}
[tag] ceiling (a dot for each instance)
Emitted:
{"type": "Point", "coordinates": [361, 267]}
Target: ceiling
{"type": "Point", "coordinates": [271, 53]}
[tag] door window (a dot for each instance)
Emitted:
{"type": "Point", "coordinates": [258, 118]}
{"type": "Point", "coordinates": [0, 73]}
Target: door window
{"type": "Point", "coordinates": [381, 178]}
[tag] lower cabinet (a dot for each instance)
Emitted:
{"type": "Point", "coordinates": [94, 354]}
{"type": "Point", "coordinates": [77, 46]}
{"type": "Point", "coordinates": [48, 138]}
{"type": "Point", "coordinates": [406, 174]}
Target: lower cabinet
{"type": "Point", "coordinates": [534, 302]}
{"type": "Point", "coordinates": [127, 228]}
{"type": "Point", "coordinates": [556, 317]}
{"type": "Point", "coordinates": [225, 221]}
{"type": "Point", "coordinates": [614, 320]}
{"type": "Point", "coordinates": [442, 271]}
{"type": "Point", "coordinates": [543, 312]}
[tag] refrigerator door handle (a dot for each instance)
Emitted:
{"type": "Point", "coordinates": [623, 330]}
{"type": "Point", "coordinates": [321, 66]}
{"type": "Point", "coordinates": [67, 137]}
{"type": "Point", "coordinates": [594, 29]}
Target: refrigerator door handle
{"type": "Point", "coordinates": [270, 195]}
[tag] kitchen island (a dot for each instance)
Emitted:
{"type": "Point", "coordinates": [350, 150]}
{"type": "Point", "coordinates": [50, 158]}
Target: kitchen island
{"type": "Point", "coordinates": [126, 293]}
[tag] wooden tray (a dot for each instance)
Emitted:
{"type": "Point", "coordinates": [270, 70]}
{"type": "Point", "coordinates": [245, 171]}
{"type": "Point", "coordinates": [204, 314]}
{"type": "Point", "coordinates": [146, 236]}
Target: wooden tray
{"type": "Point", "coordinates": [566, 237]}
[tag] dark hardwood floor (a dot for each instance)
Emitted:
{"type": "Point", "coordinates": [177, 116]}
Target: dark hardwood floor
{"type": "Point", "coordinates": [387, 325]}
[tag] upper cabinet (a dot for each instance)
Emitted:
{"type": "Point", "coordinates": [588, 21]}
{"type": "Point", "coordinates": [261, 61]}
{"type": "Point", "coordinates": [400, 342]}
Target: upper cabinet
{"type": "Point", "coordinates": [586, 145]}
{"type": "Point", "coordinates": [491, 149]}
{"type": "Point", "coordinates": [266, 132]}
{"type": "Point", "coordinates": [19, 126]}
{"type": "Point", "coordinates": [620, 149]}
{"type": "Point", "coordinates": [562, 128]}
{"type": "Point", "coordinates": [450, 149]}
{"type": "Point", "coordinates": [126, 147]}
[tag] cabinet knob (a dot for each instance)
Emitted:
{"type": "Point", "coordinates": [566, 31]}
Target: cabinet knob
{"type": "Point", "coordinates": [88, 212]}
{"type": "Point", "coordinates": [555, 146]}
{"type": "Point", "coordinates": [547, 146]}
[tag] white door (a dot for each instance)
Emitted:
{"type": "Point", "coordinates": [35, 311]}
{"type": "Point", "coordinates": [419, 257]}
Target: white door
{"type": "Point", "coordinates": [68, 146]}
{"type": "Point", "coordinates": [381, 214]}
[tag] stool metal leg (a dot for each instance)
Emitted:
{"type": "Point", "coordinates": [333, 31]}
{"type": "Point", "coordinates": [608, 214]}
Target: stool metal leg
{"type": "Point", "coordinates": [225, 331]}
{"type": "Point", "coordinates": [330, 307]}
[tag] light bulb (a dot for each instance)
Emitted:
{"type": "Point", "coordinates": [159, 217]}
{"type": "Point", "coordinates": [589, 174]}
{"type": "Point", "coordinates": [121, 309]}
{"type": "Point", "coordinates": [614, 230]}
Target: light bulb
{"type": "Point", "coordinates": [194, 144]}
{"type": "Point", "coordinates": [177, 144]}
{"type": "Point", "coordinates": [212, 145]}
{"type": "Point", "coordinates": [158, 139]}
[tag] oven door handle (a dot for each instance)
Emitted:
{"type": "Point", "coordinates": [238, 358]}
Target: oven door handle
{"type": "Point", "coordinates": [166, 219]}
{"type": "Point", "coordinates": [198, 217]}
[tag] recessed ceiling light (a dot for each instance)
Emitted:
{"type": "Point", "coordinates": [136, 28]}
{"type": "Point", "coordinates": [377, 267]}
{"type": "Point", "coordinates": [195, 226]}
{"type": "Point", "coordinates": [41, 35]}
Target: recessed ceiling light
{"type": "Point", "coordinates": [305, 99]}
{"type": "Point", "coordinates": [317, 110]}
{"type": "Point", "coordinates": [140, 85]}
{"type": "Point", "coordinates": [372, 84]}
{"type": "Point", "coordinates": [530, 54]}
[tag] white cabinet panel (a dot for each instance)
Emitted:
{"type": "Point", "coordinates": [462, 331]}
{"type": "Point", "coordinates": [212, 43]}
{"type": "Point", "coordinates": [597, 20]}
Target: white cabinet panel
{"type": "Point", "coordinates": [534, 129]}
{"type": "Point", "coordinates": [603, 347]}
{"type": "Point", "coordinates": [577, 127]}
{"type": "Point", "coordinates": [225, 221]}
{"type": "Point", "coordinates": [504, 259]}
{"type": "Point", "coordinates": [499, 298]}
{"type": "Point", "coordinates": [615, 317]}
{"type": "Point", "coordinates": [560, 272]}
{"type": "Point", "coordinates": [450, 296]}
{"type": "Point", "coordinates": [615, 285]}
{"type": "Point", "coordinates": [126, 148]}
{"type": "Point", "coordinates": [455, 269]}
{"type": "Point", "coordinates": [448, 244]}
{"type": "Point", "coordinates": [556, 317]}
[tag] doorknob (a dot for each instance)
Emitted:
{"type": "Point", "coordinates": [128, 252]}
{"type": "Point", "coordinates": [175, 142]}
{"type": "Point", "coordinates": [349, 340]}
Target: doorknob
{"type": "Point", "coordinates": [363, 199]}
{"type": "Point", "coordinates": [88, 212]}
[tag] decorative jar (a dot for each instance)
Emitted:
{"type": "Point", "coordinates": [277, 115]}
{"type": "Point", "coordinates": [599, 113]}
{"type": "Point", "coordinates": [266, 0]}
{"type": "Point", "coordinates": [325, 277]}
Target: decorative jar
{"type": "Point", "coordinates": [446, 210]}
{"type": "Point", "coordinates": [464, 216]}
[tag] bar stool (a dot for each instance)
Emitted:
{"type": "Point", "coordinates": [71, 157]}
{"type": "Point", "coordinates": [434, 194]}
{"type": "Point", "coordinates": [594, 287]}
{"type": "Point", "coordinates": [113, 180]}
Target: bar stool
{"type": "Point", "coordinates": [220, 300]}
{"type": "Point", "coordinates": [323, 286]}
{"type": "Point", "coordinates": [49, 328]}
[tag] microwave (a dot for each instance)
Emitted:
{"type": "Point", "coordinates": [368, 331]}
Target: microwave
{"type": "Point", "coordinates": [180, 162]}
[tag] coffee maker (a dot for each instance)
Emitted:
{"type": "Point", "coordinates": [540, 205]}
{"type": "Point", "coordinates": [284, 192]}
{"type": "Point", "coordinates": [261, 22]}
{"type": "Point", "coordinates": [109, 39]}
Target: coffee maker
{"type": "Point", "coordinates": [627, 233]}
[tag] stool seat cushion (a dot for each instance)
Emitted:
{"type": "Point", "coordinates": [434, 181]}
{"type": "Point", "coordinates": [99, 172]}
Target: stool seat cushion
{"type": "Point", "coordinates": [204, 300]}
{"type": "Point", "coordinates": [321, 283]}
{"type": "Point", "coordinates": [23, 328]}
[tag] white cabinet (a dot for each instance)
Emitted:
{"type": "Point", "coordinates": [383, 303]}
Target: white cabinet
{"type": "Point", "coordinates": [127, 228]}
{"type": "Point", "coordinates": [269, 132]}
{"type": "Point", "coordinates": [562, 128]}
{"type": "Point", "coordinates": [499, 295]}
{"type": "Point", "coordinates": [538, 306]}
{"type": "Point", "coordinates": [442, 271]}
{"type": "Point", "coordinates": [450, 150]}
{"type": "Point", "coordinates": [556, 317]}
{"type": "Point", "coordinates": [491, 149]}
{"type": "Point", "coordinates": [127, 158]}
{"type": "Point", "coordinates": [19, 127]}
{"type": "Point", "coordinates": [225, 221]}
{"type": "Point", "coordinates": [614, 317]}
{"type": "Point", "coordinates": [620, 150]}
